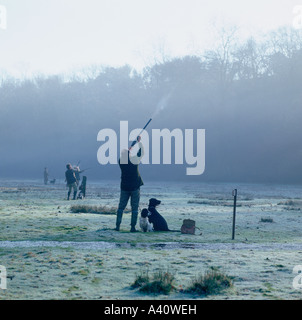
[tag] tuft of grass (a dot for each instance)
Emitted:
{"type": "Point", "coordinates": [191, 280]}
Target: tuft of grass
{"type": "Point", "coordinates": [83, 208]}
{"type": "Point", "coordinates": [69, 229]}
{"type": "Point", "coordinates": [269, 220]}
{"type": "Point", "coordinates": [71, 289]}
{"type": "Point", "coordinates": [82, 272]}
{"type": "Point", "coordinates": [141, 279]}
{"type": "Point", "coordinates": [96, 280]}
{"type": "Point", "coordinates": [161, 282]}
{"type": "Point", "coordinates": [212, 282]}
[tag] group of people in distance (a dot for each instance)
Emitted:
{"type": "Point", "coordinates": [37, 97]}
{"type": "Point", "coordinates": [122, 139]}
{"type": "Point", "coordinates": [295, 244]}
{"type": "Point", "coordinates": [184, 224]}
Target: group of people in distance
{"type": "Point", "coordinates": [72, 176]}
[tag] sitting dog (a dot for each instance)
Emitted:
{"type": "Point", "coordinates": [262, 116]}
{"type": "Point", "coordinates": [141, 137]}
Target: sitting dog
{"type": "Point", "coordinates": [144, 223]}
{"type": "Point", "coordinates": [158, 221]}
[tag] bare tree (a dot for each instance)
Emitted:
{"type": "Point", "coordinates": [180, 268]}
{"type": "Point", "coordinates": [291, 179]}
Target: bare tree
{"type": "Point", "coordinates": [251, 60]}
{"type": "Point", "coordinates": [221, 57]}
{"type": "Point", "coordinates": [286, 41]}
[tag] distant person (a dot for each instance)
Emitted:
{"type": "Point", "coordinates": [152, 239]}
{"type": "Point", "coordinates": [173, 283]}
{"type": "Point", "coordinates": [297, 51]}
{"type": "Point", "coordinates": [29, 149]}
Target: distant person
{"type": "Point", "coordinates": [131, 182]}
{"type": "Point", "coordinates": [46, 175]}
{"type": "Point", "coordinates": [71, 181]}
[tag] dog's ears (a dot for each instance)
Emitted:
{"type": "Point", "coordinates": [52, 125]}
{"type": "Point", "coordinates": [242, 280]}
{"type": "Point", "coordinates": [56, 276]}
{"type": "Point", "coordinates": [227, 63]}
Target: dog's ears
{"type": "Point", "coordinates": [154, 202]}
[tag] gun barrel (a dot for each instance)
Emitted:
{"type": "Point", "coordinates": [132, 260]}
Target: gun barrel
{"type": "Point", "coordinates": [135, 142]}
{"type": "Point", "coordinates": [147, 124]}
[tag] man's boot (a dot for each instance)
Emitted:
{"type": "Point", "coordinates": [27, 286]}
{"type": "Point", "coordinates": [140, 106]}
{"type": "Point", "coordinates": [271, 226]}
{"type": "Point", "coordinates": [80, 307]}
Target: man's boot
{"type": "Point", "coordinates": [133, 221]}
{"type": "Point", "coordinates": [119, 216]}
{"type": "Point", "coordinates": [74, 195]}
{"type": "Point", "coordinates": [68, 197]}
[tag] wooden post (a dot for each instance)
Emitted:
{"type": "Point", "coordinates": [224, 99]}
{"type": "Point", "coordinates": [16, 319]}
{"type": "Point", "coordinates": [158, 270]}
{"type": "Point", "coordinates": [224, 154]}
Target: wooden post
{"type": "Point", "coordinates": [234, 213]}
{"type": "Point", "coordinates": [82, 193]}
{"type": "Point", "coordinates": [84, 186]}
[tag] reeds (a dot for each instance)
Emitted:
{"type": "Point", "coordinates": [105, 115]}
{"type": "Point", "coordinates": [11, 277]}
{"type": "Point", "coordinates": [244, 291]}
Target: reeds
{"type": "Point", "coordinates": [83, 208]}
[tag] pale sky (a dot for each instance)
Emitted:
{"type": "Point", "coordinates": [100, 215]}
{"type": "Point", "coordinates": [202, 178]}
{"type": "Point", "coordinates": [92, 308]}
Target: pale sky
{"type": "Point", "coordinates": [57, 36]}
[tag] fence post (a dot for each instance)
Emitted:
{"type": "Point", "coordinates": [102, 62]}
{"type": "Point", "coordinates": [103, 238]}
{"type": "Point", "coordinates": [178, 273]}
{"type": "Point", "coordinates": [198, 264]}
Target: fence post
{"type": "Point", "coordinates": [234, 213]}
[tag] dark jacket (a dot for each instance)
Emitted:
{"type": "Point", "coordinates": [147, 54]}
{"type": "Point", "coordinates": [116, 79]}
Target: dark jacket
{"type": "Point", "coordinates": [131, 179]}
{"type": "Point", "coordinates": [70, 176]}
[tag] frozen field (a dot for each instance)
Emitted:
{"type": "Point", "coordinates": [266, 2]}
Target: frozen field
{"type": "Point", "coordinates": [51, 253]}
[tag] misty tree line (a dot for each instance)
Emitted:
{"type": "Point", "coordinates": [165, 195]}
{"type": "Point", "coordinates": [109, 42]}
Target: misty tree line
{"type": "Point", "coordinates": [246, 95]}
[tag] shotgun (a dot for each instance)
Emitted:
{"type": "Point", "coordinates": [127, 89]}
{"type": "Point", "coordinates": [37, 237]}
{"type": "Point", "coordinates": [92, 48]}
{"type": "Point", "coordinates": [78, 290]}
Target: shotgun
{"type": "Point", "coordinates": [135, 142]}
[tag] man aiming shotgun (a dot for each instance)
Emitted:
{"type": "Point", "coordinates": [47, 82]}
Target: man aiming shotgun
{"type": "Point", "coordinates": [131, 182]}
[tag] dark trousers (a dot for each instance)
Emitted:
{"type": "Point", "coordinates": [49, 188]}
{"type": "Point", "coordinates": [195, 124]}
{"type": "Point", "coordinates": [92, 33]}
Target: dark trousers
{"type": "Point", "coordinates": [124, 198]}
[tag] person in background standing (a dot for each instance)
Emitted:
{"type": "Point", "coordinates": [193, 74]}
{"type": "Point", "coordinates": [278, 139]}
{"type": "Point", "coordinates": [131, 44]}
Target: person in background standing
{"type": "Point", "coordinates": [71, 181]}
{"type": "Point", "coordinates": [46, 176]}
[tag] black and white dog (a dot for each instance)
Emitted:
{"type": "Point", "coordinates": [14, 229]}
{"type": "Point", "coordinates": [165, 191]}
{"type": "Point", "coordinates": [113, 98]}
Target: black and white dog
{"type": "Point", "coordinates": [144, 222]}
{"type": "Point", "coordinates": [158, 221]}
